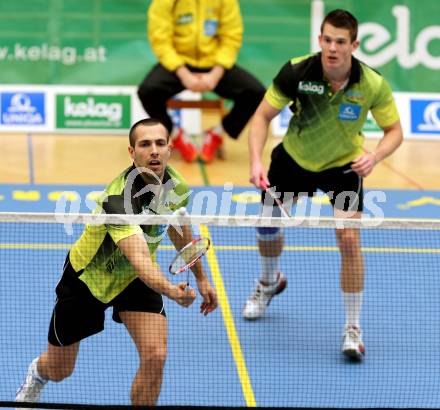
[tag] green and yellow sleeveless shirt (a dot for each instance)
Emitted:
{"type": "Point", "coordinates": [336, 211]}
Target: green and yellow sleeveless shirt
{"type": "Point", "coordinates": [105, 270]}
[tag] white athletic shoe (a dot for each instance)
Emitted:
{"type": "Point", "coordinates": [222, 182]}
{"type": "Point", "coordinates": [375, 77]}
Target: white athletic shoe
{"type": "Point", "coordinates": [30, 390]}
{"type": "Point", "coordinates": [352, 344]}
{"type": "Point", "coordinates": [258, 302]}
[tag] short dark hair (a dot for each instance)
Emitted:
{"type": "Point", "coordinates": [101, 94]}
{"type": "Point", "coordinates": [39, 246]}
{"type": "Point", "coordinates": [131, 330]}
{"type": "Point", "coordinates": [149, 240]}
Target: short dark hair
{"type": "Point", "coordinates": [148, 122]}
{"type": "Point", "coordinates": [342, 19]}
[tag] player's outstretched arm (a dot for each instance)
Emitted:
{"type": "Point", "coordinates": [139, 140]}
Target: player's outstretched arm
{"type": "Point", "coordinates": [136, 251]}
{"type": "Point", "coordinates": [258, 133]}
{"type": "Point", "coordinates": [391, 140]}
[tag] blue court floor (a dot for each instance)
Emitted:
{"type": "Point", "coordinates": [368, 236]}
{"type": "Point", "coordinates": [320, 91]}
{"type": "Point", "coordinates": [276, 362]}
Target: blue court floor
{"type": "Point", "coordinates": [291, 357]}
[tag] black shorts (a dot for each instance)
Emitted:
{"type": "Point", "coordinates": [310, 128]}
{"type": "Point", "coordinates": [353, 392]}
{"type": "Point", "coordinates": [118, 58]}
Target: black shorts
{"type": "Point", "coordinates": [78, 314]}
{"type": "Point", "coordinates": [343, 186]}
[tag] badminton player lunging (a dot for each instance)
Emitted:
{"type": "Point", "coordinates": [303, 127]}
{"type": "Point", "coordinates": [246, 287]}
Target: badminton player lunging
{"type": "Point", "coordinates": [330, 94]}
{"type": "Point", "coordinates": [113, 265]}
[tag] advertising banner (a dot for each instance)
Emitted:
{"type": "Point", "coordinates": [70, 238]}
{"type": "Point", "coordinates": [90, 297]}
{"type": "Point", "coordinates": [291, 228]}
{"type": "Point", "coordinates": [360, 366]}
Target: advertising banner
{"type": "Point", "coordinates": [425, 116]}
{"type": "Point", "coordinates": [22, 108]}
{"type": "Point", "coordinates": [401, 39]}
{"type": "Point", "coordinates": [93, 111]}
{"type": "Point", "coordinates": [93, 44]}
{"type": "Point", "coordinates": [105, 42]}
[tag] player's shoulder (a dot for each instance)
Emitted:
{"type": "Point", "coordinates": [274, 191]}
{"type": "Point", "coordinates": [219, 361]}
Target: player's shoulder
{"type": "Point", "coordinates": [111, 197]}
{"type": "Point", "coordinates": [306, 62]}
{"type": "Point", "coordinates": [176, 188]}
{"type": "Point", "coordinates": [304, 59]}
{"type": "Point", "coordinates": [302, 65]}
{"type": "Point", "coordinates": [370, 75]}
{"type": "Point", "coordinates": [296, 69]}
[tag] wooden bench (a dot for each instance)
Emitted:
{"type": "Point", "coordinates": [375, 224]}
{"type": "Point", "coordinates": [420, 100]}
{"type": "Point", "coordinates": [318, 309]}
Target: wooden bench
{"type": "Point", "coordinates": [203, 104]}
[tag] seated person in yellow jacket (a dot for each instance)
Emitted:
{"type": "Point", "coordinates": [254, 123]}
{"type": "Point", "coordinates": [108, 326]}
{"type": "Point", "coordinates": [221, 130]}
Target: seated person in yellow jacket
{"type": "Point", "coordinates": [196, 43]}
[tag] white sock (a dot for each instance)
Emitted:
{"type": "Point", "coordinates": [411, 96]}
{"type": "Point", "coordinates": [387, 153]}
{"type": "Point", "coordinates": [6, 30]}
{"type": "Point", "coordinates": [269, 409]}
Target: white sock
{"type": "Point", "coordinates": [270, 268]}
{"type": "Point", "coordinates": [352, 304]}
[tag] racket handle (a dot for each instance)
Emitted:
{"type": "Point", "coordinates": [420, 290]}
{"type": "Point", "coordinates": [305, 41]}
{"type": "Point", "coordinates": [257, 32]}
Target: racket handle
{"type": "Point", "coordinates": [280, 205]}
{"type": "Point", "coordinates": [263, 184]}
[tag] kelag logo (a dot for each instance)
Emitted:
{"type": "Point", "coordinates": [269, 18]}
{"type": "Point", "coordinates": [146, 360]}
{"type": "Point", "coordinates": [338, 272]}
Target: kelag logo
{"type": "Point", "coordinates": [22, 109]}
{"type": "Point", "coordinates": [378, 46]}
{"type": "Point", "coordinates": [93, 111]}
{"type": "Point", "coordinates": [425, 118]}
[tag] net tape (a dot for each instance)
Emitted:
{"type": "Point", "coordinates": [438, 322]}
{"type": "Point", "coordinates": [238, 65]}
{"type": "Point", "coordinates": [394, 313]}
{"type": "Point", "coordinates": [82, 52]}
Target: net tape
{"type": "Point", "coordinates": [220, 220]}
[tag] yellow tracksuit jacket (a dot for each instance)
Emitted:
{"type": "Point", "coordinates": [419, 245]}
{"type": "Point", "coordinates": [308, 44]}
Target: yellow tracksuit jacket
{"type": "Point", "coordinates": [201, 33]}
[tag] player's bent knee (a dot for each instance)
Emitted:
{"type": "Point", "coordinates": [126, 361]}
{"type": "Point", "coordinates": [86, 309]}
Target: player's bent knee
{"type": "Point", "coordinates": [155, 357]}
{"type": "Point", "coordinates": [61, 373]}
{"type": "Point", "coordinates": [269, 234]}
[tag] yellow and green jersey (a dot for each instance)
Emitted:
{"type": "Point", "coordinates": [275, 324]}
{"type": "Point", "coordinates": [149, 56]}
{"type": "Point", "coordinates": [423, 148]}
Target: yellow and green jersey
{"type": "Point", "coordinates": [105, 270]}
{"type": "Point", "coordinates": [326, 128]}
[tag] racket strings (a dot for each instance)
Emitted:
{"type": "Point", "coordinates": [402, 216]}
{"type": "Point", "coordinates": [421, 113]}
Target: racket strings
{"type": "Point", "coordinates": [189, 255]}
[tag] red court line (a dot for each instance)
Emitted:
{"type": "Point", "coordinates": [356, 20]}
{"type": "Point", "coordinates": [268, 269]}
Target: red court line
{"type": "Point", "coordinates": [404, 176]}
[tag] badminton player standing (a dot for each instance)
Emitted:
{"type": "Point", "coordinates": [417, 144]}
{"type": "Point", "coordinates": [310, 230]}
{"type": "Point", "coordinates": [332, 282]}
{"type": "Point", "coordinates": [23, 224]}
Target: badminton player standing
{"type": "Point", "coordinates": [330, 94]}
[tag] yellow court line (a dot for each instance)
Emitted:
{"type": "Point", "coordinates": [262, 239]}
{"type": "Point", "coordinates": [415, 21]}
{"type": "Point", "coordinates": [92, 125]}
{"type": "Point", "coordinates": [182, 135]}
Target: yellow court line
{"type": "Point", "coordinates": [363, 249]}
{"type": "Point", "coordinates": [401, 250]}
{"type": "Point", "coordinates": [229, 323]}
{"type": "Point", "coordinates": [236, 248]}
{"type": "Point", "coordinates": [327, 249]}
{"type": "Point", "coordinates": [34, 246]}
